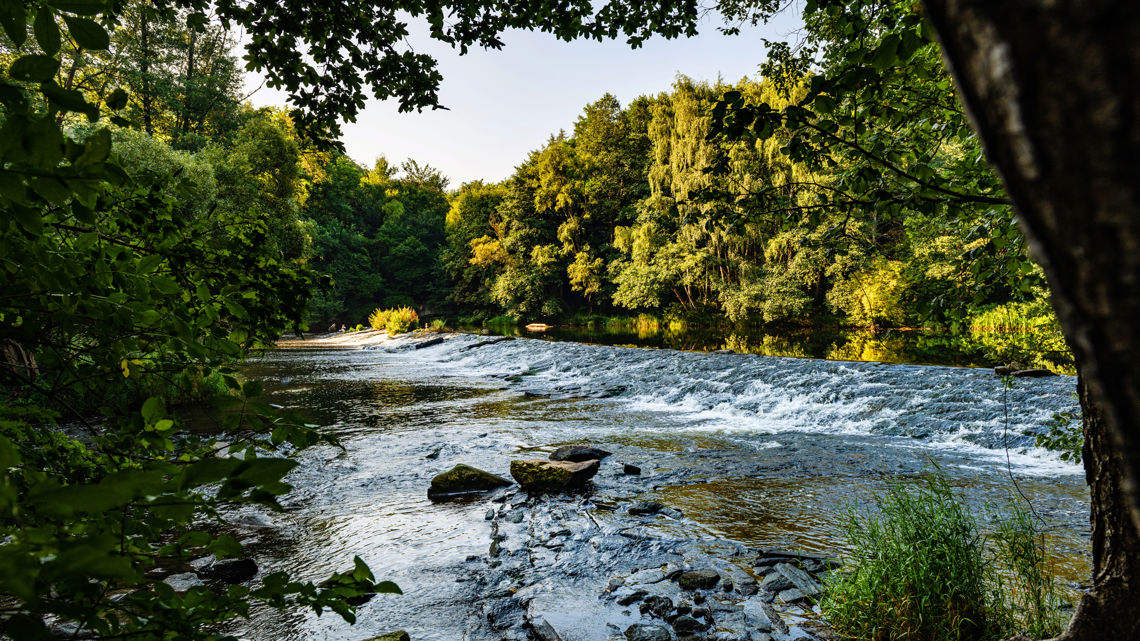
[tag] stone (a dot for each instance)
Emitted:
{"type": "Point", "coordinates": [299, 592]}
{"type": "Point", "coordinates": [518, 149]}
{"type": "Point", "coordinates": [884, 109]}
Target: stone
{"type": "Point", "coordinates": [434, 454]}
{"type": "Point", "coordinates": [1003, 370]}
{"type": "Point", "coordinates": [543, 631]}
{"type": "Point", "coordinates": [792, 595]}
{"type": "Point", "coordinates": [538, 475]}
{"type": "Point", "coordinates": [698, 580]}
{"type": "Point", "coordinates": [658, 605]}
{"type": "Point", "coordinates": [776, 582]}
{"type": "Point", "coordinates": [723, 351]}
{"type": "Point", "coordinates": [429, 342]}
{"type": "Point", "coordinates": [463, 479]}
{"type": "Point", "coordinates": [629, 468]}
{"type": "Point", "coordinates": [183, 582]}
{"type": "Point", "coordinates": [398, 635]}
{"type": "Point", "coordinates": [747, 586]}
{"type": "Point", "coordinates": [489, 515]}
{"type": "Point", "coordinates": [230, 571]}
{"type": "Point", "coordinates": [1033, 373]}
{"type": "Point", "coordinates": [698, 612]}
{"type": "Point", "coordinates": [800, 579]}
{"type": "Point", "coordinates": [631, 597]}
{"type": "Point", "coordinates": [643, 508]}
{"type": "Point", "coordinates": [647, 632]}
{"type": "Point", "coordinates": [726, 585]}
{"type": "Point", "coordinates": [686, 624]}
{"type": "Point", "coordinates": [578, 453]}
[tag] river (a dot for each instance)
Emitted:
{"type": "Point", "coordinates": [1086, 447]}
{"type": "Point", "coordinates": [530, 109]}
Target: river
{"type": "Point", "coordinates": [753, 452]}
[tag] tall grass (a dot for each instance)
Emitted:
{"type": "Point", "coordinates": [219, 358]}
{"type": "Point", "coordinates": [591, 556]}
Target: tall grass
{"type": "Point", "coordinates": [917, 572]}
{"type": "Point", "coordinates": [395, 321]}
{"type": "Point", "coordinates": [921, 571]}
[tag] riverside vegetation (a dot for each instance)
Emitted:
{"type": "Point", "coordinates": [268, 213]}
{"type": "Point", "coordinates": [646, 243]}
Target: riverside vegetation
{"type": "Point", "coordinates": [156, 230]}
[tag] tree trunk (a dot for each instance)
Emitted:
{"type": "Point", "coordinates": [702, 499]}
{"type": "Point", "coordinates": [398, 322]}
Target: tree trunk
{"type": "Point", "coordinates": [1111, 608]}
{"type": "Point", "coordinates": [147, 98]}
{"type": "Point", "coordinates": [1053, 88]}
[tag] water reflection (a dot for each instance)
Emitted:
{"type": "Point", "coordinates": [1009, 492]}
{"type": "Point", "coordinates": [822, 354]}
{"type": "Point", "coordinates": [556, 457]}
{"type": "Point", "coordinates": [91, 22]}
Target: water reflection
{"type": "Point", "coordinates": [1044, 348]}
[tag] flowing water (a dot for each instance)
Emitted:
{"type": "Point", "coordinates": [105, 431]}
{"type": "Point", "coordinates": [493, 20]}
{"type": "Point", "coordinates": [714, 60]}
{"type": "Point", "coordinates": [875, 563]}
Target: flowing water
{"type": "Point", "coordinates": [755, 451]}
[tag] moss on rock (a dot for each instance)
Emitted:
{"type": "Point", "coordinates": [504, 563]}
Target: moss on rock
{"type": "Point", "coordinates": [538, 475]}
{"type": "Point", "coordinates": [463, 479]}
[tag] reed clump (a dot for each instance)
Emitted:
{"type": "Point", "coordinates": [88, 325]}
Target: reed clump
{"type": "Point", "coordinates": [920, 570]}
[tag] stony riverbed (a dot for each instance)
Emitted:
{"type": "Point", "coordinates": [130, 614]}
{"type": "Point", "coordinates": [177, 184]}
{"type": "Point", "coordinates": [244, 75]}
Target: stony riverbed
{"type": "Point", "coordinates": [746, 465]}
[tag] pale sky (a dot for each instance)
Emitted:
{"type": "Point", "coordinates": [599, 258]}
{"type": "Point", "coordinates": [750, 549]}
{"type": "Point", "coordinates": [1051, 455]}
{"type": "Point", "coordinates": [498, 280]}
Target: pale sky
{"type": "Point", "coordinates": [503, 104]}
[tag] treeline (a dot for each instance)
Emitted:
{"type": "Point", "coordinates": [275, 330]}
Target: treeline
{"type": "Point", "coordinates": [644, 209]}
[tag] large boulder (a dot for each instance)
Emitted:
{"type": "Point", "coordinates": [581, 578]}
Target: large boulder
{"type": "Point", "coordinates": [463, 479]}
{"type": "Point", "coordinates": [577, 453]}
{"type": "Point", "coordinates": [538, 475]}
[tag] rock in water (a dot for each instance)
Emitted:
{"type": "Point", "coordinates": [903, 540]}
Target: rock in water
{"type": "Point", "coordinates": [698, 580]}
{"type": "Point", "coordinates": [644, 508]}
{"type": "Point", "coordinates": [463, 479]}
{"type": "Point", "coordinates": [630, 468]}
{"type": "Point", "coordinates": [230, 571]}
{"type": "Point", "coordinates": [538, 475]}
{"type": "Point", "coordinates": [1033, 373]}
{"type": "Point", "coordinates": [578, 453]}
{"type": "Point", "coordinates": [543, 631]}
{"type": "Point", "coordinates": [646, 632]}
{"type": "Point", "coordinates": [398, 635]}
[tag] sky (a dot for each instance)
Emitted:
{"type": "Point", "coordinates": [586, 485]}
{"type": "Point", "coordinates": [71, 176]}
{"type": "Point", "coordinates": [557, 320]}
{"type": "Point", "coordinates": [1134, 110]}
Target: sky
{"type": "Point", "coordinates": [503, 104]}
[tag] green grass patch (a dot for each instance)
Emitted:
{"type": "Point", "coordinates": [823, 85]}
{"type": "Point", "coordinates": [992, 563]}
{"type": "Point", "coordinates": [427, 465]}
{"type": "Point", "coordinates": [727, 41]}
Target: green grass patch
{"type": "Point", "coordinates": [921, 570]}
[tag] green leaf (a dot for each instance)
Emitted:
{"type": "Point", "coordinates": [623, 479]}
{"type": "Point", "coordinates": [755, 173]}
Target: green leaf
{"type": "Point", "coordinates": [153, 410]}
{"type": "Point", "coordinates": [69, 99]}
{"type": "Point", "coordinates": [47, 31]}
{"type": "Point", "coordinates": [14, 20]}
{"type": "Point", "coordinates": [81, 7]}
{"type": "Point", "coordinates": [387, 587]}
{"type": "Point", "coordinates": [34, 68]}
{"type": "Point", "coordinates": [87, 33]}
{"type": "Point", "coordinates": [118, 99]}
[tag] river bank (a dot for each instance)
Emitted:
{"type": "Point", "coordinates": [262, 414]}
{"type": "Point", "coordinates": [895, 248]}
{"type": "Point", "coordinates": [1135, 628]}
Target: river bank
{"type": "Point", "coordinates": [746, 454]}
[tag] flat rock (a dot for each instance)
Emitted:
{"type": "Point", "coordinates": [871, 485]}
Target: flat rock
{"type": "Point", "coordinates": [578, 453]}
{"type": "Point", "coordinates": [776, 582]}
{"type": "Point", "coordinates": [643, 508]}
{"type": "Point", "coordinates": [1033, 373]}
{"type": "Point", "coordinates": [686, 624]}
{"type": "Point", "coordinates": [647, 632]}
{"type": "Point", "coordinates": [698, 580]}
{"type": "Point", "coordinates": [230, 571]}
{"type": "Point", "coordinates": [800, 579]}
{"type": "Point", "coordinates": [539, 475]}
{"type": "Point", "coordinates": [543, 631]}
{"type": "Point", "coordinates": [398, 635]}
{"type": "Point", "coordinates": [463, 479]}
{"type": "Point", "coordinates": [658, 605]}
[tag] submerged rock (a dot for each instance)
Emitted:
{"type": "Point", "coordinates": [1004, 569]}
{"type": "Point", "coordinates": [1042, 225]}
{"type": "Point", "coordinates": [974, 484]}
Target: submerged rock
{"type": "Point", "coordinates": [463, 479]}
{"type": "Point", "coordinates": [230, 571]}
{"type": "Point", "coordinates": [538, 475]}
{"type": "Point", "coordinates": [398, 635]}
{"type": "Point", "coordinates": [630, 468]}
{"type": "Point", "coordinates": [1033, 373]}
{"type": "Point", "coordinates": [578, 453]}
{"type": "Point", "coordinates": [698, 580]}
{"type": "Point", "coordinates": [647, 632]}
{"type": "Point", "coordinates": [644, 508]}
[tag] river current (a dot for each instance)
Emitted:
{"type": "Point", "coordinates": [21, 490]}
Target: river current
{"type": "Point", "coordinates": [756, 452]}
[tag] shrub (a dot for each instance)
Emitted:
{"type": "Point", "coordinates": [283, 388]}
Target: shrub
{"type": "Point", "coordinates": [394, 321]}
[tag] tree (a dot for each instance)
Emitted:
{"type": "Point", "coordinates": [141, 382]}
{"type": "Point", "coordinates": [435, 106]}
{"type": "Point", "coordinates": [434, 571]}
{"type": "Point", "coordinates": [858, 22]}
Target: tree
{"type": "Point", "coordinates": [1056, 123]}
{"type": "Point", "coordinates": [1059, 123]}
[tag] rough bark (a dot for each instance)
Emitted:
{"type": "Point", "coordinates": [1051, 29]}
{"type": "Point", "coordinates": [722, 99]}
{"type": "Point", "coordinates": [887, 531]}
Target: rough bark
{"type": "Point", "coordinates": [1053, 87]}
